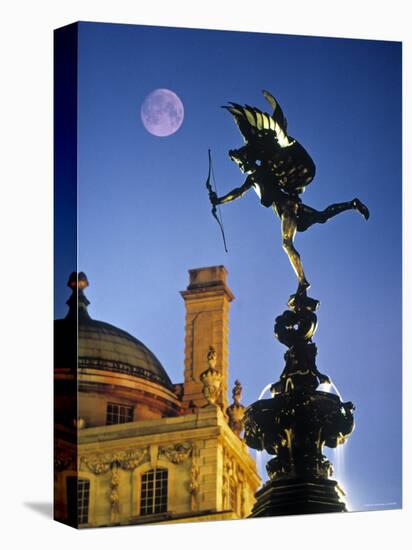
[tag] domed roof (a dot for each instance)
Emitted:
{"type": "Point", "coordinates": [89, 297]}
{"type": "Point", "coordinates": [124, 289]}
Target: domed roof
{"type": "Point", "coordinates": [107, 347]}
{"type": "Point", "coordinates": [101, 345]}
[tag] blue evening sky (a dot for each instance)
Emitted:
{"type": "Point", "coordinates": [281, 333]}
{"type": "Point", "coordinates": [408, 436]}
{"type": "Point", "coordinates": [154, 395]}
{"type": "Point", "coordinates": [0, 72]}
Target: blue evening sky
{"type": "Point", "coordinates": [144, 215]}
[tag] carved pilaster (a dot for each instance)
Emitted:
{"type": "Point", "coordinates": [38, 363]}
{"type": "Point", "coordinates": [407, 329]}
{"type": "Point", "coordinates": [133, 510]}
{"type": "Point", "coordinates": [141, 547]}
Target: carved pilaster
{"type": "Point", "coordinates": [241, 480]}
{"type": "Point", "coordinates": [194, 486]}
{"type": "Point", "coordinates": [114, 494]}
{"type": "Point", "coordinates": [226, 481]}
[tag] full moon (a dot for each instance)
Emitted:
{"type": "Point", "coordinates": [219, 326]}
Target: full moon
{"type": "Point", "coordinates": [162, 112]}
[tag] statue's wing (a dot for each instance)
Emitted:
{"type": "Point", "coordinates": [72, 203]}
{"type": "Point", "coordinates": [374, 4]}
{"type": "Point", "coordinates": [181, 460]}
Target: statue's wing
{"type": "Point", "coordinates": [241, 118]}
{"type": "Point", "coordinates": [297, 167]}
{"type": "Point", "coordinates": [252, 122]}
{"type": "Point", "coordinates": [293, 168]}
{"type": "Point", "coordinates": [278, 115]}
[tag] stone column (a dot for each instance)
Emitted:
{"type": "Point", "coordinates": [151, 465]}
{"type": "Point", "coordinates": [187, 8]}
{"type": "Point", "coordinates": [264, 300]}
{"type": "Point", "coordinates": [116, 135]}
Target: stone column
{"type": "Point", "coordinates": [207, 300]}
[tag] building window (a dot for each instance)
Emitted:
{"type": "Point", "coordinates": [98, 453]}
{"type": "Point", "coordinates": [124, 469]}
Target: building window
{"type": "Point", "coordinates": [78, 494]}
{"type": "Point", "coordinates": [118, 414]}
{"type": "Point", "coordinates": [153, 499]}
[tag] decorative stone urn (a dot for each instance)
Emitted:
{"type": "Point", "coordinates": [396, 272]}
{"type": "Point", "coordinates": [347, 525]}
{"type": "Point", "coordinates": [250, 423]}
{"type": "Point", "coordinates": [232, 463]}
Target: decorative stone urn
{"type": "Point", "coordinates": [211, 379]}
{"type": "Point", "coordinates": [236, 410]}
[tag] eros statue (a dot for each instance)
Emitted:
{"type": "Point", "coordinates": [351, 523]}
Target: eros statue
{"type": "Point", "coordinates": [278, 168]}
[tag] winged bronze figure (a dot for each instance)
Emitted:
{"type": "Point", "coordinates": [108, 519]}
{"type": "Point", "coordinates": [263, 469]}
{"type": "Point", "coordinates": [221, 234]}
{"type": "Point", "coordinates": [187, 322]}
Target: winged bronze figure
{"type": "Point", "coordinates": [279, 169]}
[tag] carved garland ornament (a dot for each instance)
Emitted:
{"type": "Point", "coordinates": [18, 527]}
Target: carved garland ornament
{"type": "Point", "coordinates": [126, 460]}
{"type": "Point", "coordinates": [176, 453]}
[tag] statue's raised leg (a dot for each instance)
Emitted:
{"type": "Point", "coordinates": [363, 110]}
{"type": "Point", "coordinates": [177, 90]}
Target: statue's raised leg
{"type": "Point", "coordinates": [308, 216]}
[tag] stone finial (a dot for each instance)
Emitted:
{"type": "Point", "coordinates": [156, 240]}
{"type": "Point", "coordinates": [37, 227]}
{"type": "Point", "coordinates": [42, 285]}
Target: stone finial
{"type": "Point", "coordinates": [236, 410]}
{"type": "Point", "coordinates": [211, 357]}
{"type": "Point", "coordinates": [77, 302]}
{"type": "Point", "coordinates": [211, 379]}
{"type": "Point", "coordinates": [78, 281]}
{"type": "Point", "coordinates": [237, 392]}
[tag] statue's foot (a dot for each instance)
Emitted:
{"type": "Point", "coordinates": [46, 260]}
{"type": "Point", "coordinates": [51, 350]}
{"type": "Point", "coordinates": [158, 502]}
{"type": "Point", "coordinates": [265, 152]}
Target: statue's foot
{"type": "Point", "coordinates": [361, 208]}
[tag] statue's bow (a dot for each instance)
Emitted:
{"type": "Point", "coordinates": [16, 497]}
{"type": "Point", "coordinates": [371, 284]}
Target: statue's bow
{"type": "Point", "coordinates": [211, 195]}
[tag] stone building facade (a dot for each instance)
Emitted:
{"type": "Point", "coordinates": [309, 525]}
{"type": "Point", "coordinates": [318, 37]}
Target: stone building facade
{"type": "Point", "coordinates": [132, 447]}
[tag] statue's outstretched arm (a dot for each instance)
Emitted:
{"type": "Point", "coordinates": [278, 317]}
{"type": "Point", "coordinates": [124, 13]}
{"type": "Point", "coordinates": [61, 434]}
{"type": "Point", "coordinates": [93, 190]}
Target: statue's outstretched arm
{"type": "Point", "coordinates": [235, 193]}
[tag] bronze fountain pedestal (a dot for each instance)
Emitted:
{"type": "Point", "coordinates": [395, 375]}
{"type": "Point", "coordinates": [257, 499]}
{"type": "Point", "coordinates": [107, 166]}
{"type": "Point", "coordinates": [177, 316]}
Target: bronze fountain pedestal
{"type": "Point", "coordinates": [297, 422]}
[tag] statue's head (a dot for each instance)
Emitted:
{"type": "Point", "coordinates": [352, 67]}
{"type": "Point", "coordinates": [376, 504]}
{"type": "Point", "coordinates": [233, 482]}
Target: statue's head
{"type": "Point", "coordinates": [243, 159]}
